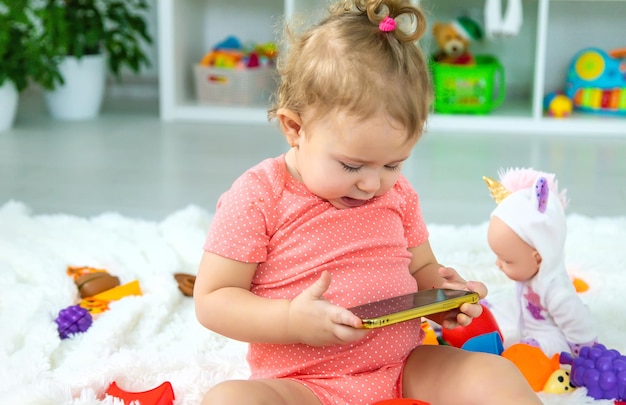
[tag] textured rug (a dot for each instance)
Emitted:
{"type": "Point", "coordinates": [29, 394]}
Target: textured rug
{"type": "Point", "coordinates": [143, 341]}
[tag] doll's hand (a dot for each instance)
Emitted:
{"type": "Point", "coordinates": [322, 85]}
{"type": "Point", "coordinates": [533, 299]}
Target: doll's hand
{"type": "Point", "coordinates": [315, 321]}
{"type": "Point", "coordinates": [575, 347]}
{"type": "Point", "coordinates": [465, 313]}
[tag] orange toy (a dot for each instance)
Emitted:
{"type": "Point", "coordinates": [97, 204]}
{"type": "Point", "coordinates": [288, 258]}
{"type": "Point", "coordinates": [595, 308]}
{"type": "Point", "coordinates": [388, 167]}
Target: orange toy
{"type": "Point", "coordinates": [161, 395]}
{"type": "Point", "coordinates": [77, 271]}
{"type": "Point", "coordinates": [431, 336]}
{"type": "Point", "coordinates": [533, 363]}
{"type": "Point", "coordinates": [580, 285]}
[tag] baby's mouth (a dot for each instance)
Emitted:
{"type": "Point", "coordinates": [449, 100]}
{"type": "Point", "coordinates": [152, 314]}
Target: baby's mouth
{"type": "Point", "coordinates": [352, 202]}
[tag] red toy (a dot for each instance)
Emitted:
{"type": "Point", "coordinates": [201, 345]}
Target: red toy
{"type": "Point", "coordinates": [485, 323]}
{"type": "Point", "coordinates": [161, 395]}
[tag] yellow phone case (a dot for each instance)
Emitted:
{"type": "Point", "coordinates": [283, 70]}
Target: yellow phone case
{"type": "Point", "coordinates": [410, 306]}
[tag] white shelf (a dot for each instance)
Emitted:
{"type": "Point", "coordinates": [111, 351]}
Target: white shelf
{"type": "Point", "coordinates": [535, 61]}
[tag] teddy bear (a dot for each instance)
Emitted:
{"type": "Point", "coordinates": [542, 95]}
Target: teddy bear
{"type": "Point", "coordinates": [453, 40]}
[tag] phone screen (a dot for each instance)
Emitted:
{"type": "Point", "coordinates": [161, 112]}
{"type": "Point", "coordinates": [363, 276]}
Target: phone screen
{"type": "Point", "coordinates": [410, 306]}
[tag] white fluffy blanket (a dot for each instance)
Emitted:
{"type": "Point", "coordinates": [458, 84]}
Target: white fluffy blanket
{"type": "Point", "coordinates": [146, 340]}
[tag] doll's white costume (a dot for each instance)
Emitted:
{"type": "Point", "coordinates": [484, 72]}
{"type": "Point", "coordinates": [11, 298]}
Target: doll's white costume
{"type": "Point", "coordinates": [551, 314]}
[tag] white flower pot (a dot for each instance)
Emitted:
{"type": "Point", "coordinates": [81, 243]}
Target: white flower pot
{"type": "Point", "coordinates": [80, 98]}
{"type": "Point", "coordinates": [9, 98]}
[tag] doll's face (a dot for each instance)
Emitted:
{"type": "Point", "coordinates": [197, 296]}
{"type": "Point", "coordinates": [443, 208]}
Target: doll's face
{"type": "Point", "coordinates": [516, 258]}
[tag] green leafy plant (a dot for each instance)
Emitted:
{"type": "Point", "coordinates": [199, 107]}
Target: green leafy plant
{"type": "Point", "coordinates": [24, 56]}
{"type": "Point", "coordinates": [88, 27]}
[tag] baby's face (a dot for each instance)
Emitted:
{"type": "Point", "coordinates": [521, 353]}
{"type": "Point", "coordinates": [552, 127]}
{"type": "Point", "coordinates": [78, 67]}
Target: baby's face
{"type": "Point", "coordinates": [516, 258]}
{"type": "Point", "coordinates": [348, 160]}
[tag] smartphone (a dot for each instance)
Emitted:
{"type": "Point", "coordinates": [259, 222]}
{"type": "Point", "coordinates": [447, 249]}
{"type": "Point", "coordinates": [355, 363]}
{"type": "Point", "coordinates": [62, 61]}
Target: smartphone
{"type": "Point", "coordinates": [404, 307]}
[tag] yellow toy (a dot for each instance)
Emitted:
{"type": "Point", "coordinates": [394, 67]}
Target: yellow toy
{"type": "Point", "coordinates": [559, 383]}
{"type": "Point", "coordinates": [120, 292]}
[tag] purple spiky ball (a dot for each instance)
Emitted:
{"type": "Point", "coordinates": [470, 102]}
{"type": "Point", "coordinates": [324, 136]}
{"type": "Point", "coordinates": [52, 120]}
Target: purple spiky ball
{"type": "Point", "coordinates": [71, 320]}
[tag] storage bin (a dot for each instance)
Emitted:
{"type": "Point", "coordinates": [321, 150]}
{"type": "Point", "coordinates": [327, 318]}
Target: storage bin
{"type": "Point", "coordinates": [475, 89]}
{"type": "Point", "coordinates": [243, 87]}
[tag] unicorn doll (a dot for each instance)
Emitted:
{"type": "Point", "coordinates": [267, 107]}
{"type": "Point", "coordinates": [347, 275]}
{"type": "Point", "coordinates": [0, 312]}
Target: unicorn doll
{"type": "Point", "coordinates": [527, 232]}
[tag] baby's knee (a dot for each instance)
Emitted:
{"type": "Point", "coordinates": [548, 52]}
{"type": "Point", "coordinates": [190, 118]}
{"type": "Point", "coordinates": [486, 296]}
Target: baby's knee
{"type": "Point", "coordinates": [496, 374]}
{"type": "Point", "coordinates": [227, 392]}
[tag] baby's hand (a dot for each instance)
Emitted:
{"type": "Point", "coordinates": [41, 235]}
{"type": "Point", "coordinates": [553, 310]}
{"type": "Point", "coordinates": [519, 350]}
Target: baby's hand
{"type": "Point", "coordinates": [465, 313]}
{"type": "Point", "coordinates": [315, 321]}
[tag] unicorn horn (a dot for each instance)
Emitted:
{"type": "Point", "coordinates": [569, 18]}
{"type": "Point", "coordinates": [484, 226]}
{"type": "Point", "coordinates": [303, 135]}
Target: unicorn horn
{"type": "Point", "coordinates": [498, 191]}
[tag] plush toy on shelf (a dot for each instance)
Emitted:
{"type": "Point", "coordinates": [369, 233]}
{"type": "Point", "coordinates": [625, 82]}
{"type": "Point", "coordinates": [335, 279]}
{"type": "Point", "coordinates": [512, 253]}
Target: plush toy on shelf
{"type": "Point", "coordinates": [453, 40]}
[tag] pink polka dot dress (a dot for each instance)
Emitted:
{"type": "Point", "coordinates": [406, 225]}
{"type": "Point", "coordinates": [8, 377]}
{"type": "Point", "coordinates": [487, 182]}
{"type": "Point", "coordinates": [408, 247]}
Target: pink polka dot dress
{"type": "Point", "coordinates": [270, 218]}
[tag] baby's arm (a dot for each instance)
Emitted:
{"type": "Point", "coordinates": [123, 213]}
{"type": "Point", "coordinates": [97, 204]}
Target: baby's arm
{"type": "Point", "coordinates": [572, 316]}
{"type": "Point", "coordinates": [225, 304]}
{"type": "Point", "coordinates": [430, 274]}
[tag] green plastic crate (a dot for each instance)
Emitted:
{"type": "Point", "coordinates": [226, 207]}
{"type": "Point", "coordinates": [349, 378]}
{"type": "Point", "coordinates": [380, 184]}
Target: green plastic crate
{"type": "Point", "coordinates": [468, 89]}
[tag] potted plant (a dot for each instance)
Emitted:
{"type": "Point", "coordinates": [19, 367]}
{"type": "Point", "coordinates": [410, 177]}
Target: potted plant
{"type": "Point", "coordinates": [88, 33]}
{"type": "Point", "coordinates": [24, 57]}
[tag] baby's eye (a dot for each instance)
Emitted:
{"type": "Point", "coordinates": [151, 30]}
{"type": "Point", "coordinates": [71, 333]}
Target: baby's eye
{"type": "Point", "coordinates": [349, 168]}
{"type": "Point", "coordinates": [393, 168]}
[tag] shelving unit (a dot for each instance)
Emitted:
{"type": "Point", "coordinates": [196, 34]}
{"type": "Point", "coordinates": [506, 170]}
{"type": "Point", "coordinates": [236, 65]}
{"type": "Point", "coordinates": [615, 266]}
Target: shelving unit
{"type": "Point", "coordinates": [535, 61]}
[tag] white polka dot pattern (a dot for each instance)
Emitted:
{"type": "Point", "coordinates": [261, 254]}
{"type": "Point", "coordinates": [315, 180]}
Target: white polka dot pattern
{"type": "Point", "coordinates": [270, 218]}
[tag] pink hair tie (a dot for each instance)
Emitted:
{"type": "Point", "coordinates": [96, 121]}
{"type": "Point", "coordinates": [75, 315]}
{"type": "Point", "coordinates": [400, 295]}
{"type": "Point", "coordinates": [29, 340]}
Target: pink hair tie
{"type": "Point", "coordinates": [388, 24]}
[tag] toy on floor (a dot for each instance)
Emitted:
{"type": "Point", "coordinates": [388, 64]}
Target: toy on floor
{"type": "Point", "coordinates": [185, 283]}
{"type": "Point", "coordinates": [72, 320]}
{"type": "Point", "coordinates": [486, 343]}
{"type": "Point", "coordinates": [484, 324]}
{"type": "Point", "coordinates": [161, 395]}
{"type": "Point", "coordinates": [602, 371]}
{"type": "Point", "coordinates": [104, 287]}
{"type": "Point", "coordinates": [453, 40]}
{"type": "Point", "coordinates": [431, 336]}
{"type": "Point", "coordinates": [527, 232]}
{"type": "Point", "coordinates": [533, 363]}
{"type": "Point", "coordinates": [93, 283]}
{"type": "Point", "coordinates": [596, 81]}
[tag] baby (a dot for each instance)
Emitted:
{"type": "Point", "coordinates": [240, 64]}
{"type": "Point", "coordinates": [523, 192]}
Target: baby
{"type": "Point", "coordinates": [527, 233]}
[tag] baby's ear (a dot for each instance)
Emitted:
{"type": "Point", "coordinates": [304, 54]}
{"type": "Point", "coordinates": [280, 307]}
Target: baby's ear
{"type": "Point", "coordinates": [291, 125]}
{"type": "Point", "coordinates": [537, 258]}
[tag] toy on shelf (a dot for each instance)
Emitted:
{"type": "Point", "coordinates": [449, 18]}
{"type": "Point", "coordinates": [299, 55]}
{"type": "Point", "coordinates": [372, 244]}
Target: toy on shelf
{"type": "Point", "coordinates": [232, 54]}
{"type": "Point", "coordinates": [161, 395]}
{"type": "Point", "coordinates": [453, 40]}
{"type": "Point", "coordinates": [602, 371]}
{"type": "Point", "coordinates": [596, 81]}
{"type": "Point", "coordinates": [557, 105]}
{"type": "Point", "coordinates": [238, 74]}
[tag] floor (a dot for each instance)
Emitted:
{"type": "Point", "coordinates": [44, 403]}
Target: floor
{"type": "Point", "coordinates": [130, 162]}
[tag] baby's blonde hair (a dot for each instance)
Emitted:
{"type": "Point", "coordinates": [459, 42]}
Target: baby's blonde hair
{"type": "Point", "coordinates": [347, 62]}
